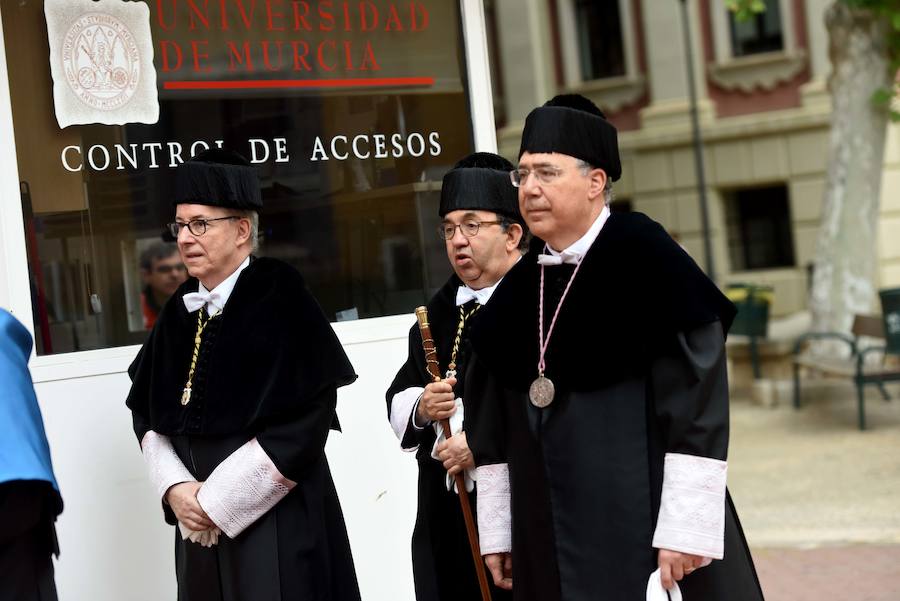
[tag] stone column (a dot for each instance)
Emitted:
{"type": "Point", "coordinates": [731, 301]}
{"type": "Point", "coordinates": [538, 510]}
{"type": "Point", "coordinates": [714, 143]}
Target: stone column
{"type": "Point", "coordinates": [526, 53]}
{"type": "Point", "coordinates": [667, 64]}
{"type": "Point", "coordinates": [817, 46]}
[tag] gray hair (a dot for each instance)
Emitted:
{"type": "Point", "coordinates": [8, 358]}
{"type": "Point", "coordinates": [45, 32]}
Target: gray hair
{"type": "Point", "coordinates": [253, 217]}
{"type": "Point", "coordinates": [608, 195]}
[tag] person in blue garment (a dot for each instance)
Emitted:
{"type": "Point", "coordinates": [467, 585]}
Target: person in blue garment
{"type": "Point", "coordinates": [29, 495]}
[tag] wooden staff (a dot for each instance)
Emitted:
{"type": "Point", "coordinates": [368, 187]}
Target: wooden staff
{"type": "Point", "coordinates": [431, 364]}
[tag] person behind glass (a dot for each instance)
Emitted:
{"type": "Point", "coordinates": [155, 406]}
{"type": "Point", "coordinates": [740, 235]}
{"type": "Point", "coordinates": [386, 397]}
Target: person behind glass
{"type": "Point", "coordinates": [483, 232]}
{"type": "Point", "coordinates": [604, 356]}
{"type": "Point", "coordinates": [162, 273]}
{"type": "Point", "coordinates": [29, 495]}
{"type": "Point", "coordinates": [232, 397]}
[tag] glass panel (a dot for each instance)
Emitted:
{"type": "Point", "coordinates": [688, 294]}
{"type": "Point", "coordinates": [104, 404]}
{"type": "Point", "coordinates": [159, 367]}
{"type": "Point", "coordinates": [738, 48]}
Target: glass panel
{"type": "Point", "coordinates": [761, 33]}
{"type": "Point", "coordinates": [350, 170]}
{"type": "Point", "coordinates": [759, 228]}
{"type": "Point", "coordinates": [600, 43]}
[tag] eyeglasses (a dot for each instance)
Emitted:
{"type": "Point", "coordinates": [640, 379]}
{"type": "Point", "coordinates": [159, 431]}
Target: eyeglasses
{"type": "Point", "coordinates": [169, 268]}
{"type": "Point", "coordinates": [469, 229]}
{"type": "Point", "coordinates": [195, 226]}
{"type": "Point", "coordinates": [546, 175]}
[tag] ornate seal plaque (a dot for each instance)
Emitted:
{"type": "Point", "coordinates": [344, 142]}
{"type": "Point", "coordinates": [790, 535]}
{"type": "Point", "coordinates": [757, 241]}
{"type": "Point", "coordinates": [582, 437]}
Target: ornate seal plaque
{"type": "Point", "coordinates": [101, 59]}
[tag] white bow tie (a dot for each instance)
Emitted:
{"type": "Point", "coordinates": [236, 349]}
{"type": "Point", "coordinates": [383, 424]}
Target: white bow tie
{"type": "Point", "coordinates": [563, 257]}
{"type": "Point", "coordinates": [196, 300]}
{"type": "Point", "coordinates": [465, 294]}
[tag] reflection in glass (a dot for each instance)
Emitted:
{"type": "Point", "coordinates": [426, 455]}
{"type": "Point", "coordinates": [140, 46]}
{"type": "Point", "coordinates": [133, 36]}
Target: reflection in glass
{"type": "Point", "coordinates": [350, 177]}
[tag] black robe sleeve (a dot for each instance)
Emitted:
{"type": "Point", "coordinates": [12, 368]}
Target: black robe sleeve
{"type": "Point", "coordinates": [411, 375]}
{"type": "Point", "coordinates": [690, 392]}
{"type": "Point", "coordinates": [296, 442]}
{"type": "Point", "coordinates": [486, 418]}
{"type": "Point", "coordinates": [140, 425]}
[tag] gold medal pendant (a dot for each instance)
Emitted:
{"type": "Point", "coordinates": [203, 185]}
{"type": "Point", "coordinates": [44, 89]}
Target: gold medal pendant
{"type": "Point", "coordinates": [541, 392]}
{"type": "Point", "coordinates": [198, 338]}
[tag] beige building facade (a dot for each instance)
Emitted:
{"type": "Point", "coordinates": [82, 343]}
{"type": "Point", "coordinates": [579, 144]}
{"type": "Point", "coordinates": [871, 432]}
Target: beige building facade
{"type": "Point", "coordinates": [764, 115]}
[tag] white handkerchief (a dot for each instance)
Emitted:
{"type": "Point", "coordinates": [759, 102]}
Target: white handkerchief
{"type": "Point", "coordinates": [656, 592]}
{"type": "Point", "coordinates": [456, 424]}
{"type": "Point", "coordinates": [205, 538]}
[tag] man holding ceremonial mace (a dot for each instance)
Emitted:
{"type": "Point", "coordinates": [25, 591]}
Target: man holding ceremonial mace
{"type": "Point", "coordinates": [599, 367]}
{"type": "Point", "coordinates": [484, 235]}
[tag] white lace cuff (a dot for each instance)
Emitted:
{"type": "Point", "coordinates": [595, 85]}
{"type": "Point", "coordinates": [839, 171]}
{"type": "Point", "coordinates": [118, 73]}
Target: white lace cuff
{"type": "Point", "coordinates": [493, 506]}
{"type": "Point", "coordinates": [692, 508]}
{"type": "Point", "coordinates": [166, 469]}
{"type": "Point", "coordinates": [402, 406]}
{"type": "Point", "coordinates": [242, 488]}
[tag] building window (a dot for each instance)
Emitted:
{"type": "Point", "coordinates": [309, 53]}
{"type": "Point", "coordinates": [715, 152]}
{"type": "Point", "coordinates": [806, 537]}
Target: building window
{"type": "Point", "coordinates": [761, 33]}
{"type": "Point", "coordinates": [759, 228]}
{"type": "Point", "coordinates": [350, 175]}
{"type": "Point", "coordinates": [601, 46]}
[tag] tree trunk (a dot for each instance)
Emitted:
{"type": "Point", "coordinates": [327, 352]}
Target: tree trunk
{"type": "Point", "coordinates": [846, 255]}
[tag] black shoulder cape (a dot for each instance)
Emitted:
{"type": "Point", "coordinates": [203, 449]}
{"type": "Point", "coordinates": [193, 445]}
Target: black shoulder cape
{"type": "Point", "coordinates": [635, 288]}
{"type": "Point", "coordinates": [271, 351]}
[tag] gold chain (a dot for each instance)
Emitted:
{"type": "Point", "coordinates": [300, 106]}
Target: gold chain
{"type": "Point", "coordinates": [463, 317]}
{"type": "Point", "coordinates": [201, 325]}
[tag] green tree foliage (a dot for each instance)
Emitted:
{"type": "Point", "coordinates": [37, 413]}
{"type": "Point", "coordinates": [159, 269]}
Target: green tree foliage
{"type": "Point", "coordinates": [744, 9]}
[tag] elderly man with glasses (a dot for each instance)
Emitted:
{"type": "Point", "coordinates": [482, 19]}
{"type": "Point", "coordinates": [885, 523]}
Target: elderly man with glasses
{"type": "Point", "coordinates": [603, 357]}
{"type": "Point", "coordinates": [232, 398]}
{"type": "Point", "coordinates": [484, 237]}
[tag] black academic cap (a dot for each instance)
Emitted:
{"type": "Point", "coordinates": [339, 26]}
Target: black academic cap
{"type": "Point", "coordinates": [481, 182]}
{"type": "Point", "coordinates": [218, 178]}
{"type": "Point", "coordinates": [573, 125]}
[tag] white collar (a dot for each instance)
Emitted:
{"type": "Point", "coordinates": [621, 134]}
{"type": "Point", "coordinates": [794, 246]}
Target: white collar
{"type": "Point", "coordinates": [579, 248]}
{"type": "Point", "coordinates": [224, 289]}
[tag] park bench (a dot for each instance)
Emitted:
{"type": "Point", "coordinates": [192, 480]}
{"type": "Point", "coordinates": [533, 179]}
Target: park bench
{"type": "Point", "coordinates": [860, 364]}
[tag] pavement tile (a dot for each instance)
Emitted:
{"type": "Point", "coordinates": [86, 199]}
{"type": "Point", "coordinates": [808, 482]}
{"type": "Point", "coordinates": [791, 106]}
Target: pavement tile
{"type": "Point", "coordinates": [819, 500]}
{"type": "Point", "coordinates": [840, 573]}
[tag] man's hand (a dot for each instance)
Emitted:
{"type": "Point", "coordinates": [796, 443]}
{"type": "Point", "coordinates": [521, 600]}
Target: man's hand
{"type": "Point", "coordinates": [182, 498]}
{"type": "Point", "coordinates": [438, 401]}
{"type": "Point", "coordinates": [500, 567]}
{"type": "Point", "coordinates": [455, 454]}
{"type": "Point", "coordinates": [675, 565]}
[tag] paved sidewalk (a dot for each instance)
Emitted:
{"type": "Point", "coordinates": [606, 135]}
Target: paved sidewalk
{"type": "Point", "coordinates": [819, 500]}
{"type": "Point", "coordinates": [857, 573]}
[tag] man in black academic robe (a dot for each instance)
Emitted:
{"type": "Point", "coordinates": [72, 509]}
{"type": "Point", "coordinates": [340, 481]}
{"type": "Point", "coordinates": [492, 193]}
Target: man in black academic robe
{"type": "Point", "coordinates": [232, 398]}
{"type": "Point", "coordinates": [482, 228]}
{"type": "Point", "coordinates": [617, 469]}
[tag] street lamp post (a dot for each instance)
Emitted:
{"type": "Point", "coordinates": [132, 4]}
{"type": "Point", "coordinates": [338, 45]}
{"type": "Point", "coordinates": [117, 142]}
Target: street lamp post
{"type": "Point", "coordinates": [698, 142]}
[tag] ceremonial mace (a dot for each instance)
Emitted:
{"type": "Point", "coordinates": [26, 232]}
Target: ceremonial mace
{"type": "Point", "coordinates": [431, 365]}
